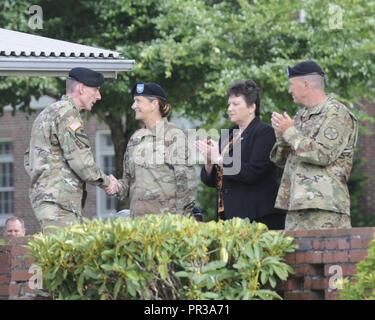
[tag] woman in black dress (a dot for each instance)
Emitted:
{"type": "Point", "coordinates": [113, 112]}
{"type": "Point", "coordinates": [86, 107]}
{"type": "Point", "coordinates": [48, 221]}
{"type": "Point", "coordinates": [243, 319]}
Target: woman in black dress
{"type": "Point", "coordinates": [239, 166]}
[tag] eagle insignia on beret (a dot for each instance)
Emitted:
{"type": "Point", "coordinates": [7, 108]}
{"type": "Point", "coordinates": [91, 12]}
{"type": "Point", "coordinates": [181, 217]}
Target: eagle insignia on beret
{"type": "Point", "coordinates": [140, 87]}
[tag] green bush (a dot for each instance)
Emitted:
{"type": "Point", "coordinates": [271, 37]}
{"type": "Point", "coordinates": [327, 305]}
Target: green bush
{"type": "Point", "coordinates": [206, 198]}
{"type": "Point", "coordinates": [362, 285]}
{"type": "Point", "coordinates": [163, 257]}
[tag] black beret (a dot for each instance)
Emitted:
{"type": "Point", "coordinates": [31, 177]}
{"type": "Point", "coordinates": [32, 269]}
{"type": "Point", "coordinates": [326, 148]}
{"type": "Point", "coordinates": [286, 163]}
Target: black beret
{"type": "Point", "coordinates": [88, 77]}
{"type": "Point", "coordinates": [149, 89]}
{"type": "Point", "coordinates": [304, 68]}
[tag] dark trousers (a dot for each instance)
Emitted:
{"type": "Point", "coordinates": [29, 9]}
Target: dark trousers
{"type": "Point", "coordinates": [274, 221]}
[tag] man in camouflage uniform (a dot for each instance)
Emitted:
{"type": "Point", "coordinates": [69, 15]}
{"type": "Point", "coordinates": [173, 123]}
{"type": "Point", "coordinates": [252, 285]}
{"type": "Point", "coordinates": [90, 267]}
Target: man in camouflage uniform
{"type": "Point", "coordinates": [59, 160]}
{"type": "Point", "coordinates": [157, 177]}
{"type": "Point", "coordinates": [316, 151]}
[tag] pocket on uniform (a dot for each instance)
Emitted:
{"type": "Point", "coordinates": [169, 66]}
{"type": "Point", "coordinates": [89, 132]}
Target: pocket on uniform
{"type": "Point", "coordinates": [46, 211]}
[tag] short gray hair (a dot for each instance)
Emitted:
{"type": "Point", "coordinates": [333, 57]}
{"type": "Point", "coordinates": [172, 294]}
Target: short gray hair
{"type": "Point", "coordinates": [11, 219]}
{"type": "Point", "coordinates": [71, 84]}
{"type": "Point", "coordinates": [315, 80]}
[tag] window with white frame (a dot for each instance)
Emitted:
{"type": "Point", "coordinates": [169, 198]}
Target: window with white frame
{"type": "Point", "coordinates": [6, 178]}
{"type": "Point", "coordinates": [105, 155]}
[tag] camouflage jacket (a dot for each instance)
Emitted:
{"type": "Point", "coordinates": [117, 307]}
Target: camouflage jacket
{"type": "Point", "coordinates": [157, 177]}
{"type": "Point", "coordinates": [59, 159]}
{"type": "Point", "coordinates": [317, 156]}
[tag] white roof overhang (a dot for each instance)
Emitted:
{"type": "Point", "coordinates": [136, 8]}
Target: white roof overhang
{"type": "Point", "coordinates": [23, 54]}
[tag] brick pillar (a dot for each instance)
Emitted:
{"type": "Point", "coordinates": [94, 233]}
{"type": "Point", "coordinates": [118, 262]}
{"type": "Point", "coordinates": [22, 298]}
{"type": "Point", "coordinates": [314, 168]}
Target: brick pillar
{"type": "Point", "coordinates": [14, 271]}
{"type": "Point", "coordinates": [4, 272]}
{"type": "Point", "coordinates": [322, 255]}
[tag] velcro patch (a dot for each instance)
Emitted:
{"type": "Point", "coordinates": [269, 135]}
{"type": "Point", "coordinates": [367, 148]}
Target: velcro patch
{"type": "Point", "coordinates": [331, 133]}
{"type": "Point", "coordinates": [75, 125]}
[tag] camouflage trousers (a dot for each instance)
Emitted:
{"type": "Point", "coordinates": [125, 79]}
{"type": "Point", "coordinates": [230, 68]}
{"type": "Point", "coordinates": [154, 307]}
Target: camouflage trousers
{"type": "Point", "coordinates": [311, 219]}
{"type": "Point", "coordinates": [52, 216]}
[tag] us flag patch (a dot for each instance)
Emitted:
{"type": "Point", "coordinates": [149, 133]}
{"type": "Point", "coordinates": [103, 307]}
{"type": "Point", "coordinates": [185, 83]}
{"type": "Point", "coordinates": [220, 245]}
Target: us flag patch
{"type": "Point", "coordinates": [75, 125]}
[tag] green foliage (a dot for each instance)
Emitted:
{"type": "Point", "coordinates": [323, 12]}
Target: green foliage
{"type": "Point", "coordinates": [362, 286]}
{"type": "Point", "coordinates": [206, 198]}
{"type": "Point", "coordinates": [163, 257]}
{"type": "Point", "coordinates": [196, 48]}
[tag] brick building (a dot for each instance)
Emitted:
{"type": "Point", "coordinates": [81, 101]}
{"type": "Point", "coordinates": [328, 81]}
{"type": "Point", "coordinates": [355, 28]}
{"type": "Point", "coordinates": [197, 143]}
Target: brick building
{"type": "Point", "coordinates": [14, 181]}
{"type": "Point", "coordinates": [366, 146]}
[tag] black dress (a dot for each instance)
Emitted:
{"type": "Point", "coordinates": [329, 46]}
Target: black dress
{"type": "Point", "coordinates": [251, 193]}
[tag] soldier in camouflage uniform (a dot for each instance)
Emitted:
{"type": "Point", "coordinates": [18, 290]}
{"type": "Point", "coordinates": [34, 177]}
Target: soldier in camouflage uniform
{"type": "Point", "coordinates": [157, 177]}
{"type": "Point", "coordinates": [316, 152]}
{"type": "Point", "coordinates": [59, 160]}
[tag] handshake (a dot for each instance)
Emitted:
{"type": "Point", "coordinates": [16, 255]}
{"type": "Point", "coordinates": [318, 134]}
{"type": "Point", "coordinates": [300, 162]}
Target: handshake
{"type": "Point", "coordinates": [114, 186]}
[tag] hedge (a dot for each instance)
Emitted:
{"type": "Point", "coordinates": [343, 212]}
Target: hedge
{"type": "Point", "coordinates": [163, 257]}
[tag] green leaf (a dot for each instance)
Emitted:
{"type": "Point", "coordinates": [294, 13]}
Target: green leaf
{"type": "Point", "coordinates": [117, 288]}
{"type": "Point", "coordinates": [106, 254]}
{"type": "Point", "coordinates": [131, 288]}
{"type": "Point", "coordinates": [107, 267]}
{"type": "Point", "coordinates": [214, 265]}
{"type": "Point", "coordinates": [182, 274]}
{"type": "Point", "coordinates": [272, 281]}
{"type": "Point", "coordinates": [163, 271]}
{"type": "Point", "coordinates": [263, 277]}
{"type": "Point", "coordinates": [89, 273]}
{"type": "Point", "coordinates": [81, 279]}
{"type": "Point", "coordinates": [256, 252]}
{"type": "Point", "coordinates": [211, 295]}
{"type": "Point", "coordinates": [281, 273]}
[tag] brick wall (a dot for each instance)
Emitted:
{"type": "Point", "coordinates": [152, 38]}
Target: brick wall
{"type": "Point", "coordinates": [18, 129]}
{"type": "Point", "coordinates": [14, 275]}
{"type": "Point", "coordinates": [323, 255]}
{"type": "Point", "coordinates": [320, 255]}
